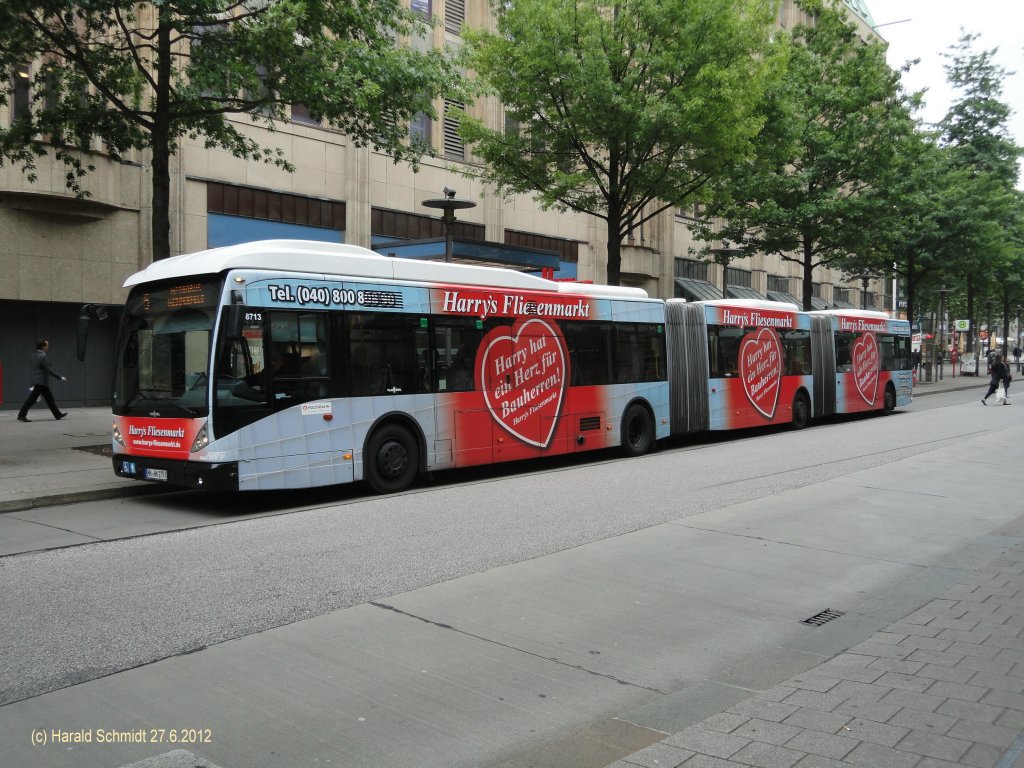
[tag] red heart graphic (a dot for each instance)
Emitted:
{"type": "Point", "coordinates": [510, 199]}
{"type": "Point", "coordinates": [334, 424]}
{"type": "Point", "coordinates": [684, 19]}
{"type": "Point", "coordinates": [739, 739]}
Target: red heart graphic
{"type": "Point", "coordinates": [865, 367]}
{"type": "Point", "coordinates": [524, 370]}
{"type": "Point", "coordinates": [760, 369]}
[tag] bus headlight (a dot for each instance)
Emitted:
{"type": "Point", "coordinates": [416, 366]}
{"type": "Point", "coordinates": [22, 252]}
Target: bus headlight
{"type": "Point", "coordinates": [201, 440]}
{"type": "Point", "coordinates": [116, 434]}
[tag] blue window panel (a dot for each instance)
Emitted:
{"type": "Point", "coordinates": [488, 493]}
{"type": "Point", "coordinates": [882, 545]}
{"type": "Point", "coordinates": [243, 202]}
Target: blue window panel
{"type": "Point", "coordinates": [222, 230]}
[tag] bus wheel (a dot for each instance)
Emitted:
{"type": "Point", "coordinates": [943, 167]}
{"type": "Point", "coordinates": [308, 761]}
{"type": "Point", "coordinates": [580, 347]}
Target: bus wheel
{"type": "Point", "coordinates": [801, 411]}
{"type": "Point", "coordinates": [392, 459]}
{"type": "Point", "coordinates": [637, 431]}
{"type": "Point", "coordinates": [889, 400]}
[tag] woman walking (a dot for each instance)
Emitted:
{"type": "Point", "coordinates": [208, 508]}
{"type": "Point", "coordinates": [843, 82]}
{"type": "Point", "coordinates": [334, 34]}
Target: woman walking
{"type": "Point", "coordinates": [1000, 375]}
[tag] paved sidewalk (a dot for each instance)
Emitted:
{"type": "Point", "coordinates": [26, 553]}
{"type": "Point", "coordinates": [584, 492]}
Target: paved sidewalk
{"type": "Point", "coordinates": [942, 687]}
{"type": "Point", "coordinates": [48, 462]}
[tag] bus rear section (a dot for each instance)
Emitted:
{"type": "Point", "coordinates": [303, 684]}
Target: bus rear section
{"type": "Point", "coordinates": [872, 354]}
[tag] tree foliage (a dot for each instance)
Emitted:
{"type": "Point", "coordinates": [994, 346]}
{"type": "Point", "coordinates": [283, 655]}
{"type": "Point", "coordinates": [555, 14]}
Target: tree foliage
{"type": "Point", "coordinates": [619, 108]}
{"type": "Point", "coordinates": [831, 125]}
{"type": "Point", "coordinates": [144, 76]}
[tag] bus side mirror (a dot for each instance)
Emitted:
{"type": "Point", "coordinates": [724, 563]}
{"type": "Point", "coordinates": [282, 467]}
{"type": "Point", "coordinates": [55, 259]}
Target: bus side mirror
{"type": "Point", "coordinates": [235, 314]}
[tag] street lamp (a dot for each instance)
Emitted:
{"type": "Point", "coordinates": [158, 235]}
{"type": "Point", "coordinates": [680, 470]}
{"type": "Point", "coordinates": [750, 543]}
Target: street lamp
{"type": "Point", "coordinates": [448, 206]}
{"type": "Point", "coordinates": [1018, 336]}
{"type": "Point", "coordinates": [942, 331]}
{"type": "Point", "coordinates": [865, 278]}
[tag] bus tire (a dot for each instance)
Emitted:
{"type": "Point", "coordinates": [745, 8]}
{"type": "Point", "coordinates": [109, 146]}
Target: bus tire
{"type": "Point", "coordinates": [637, 431]}
{"type": "Point", "coordinates": [392, 459]}
{"type": "Point", "coordinates": [801, 411]}
{"type": "Point", "coordinates": [889, 400]}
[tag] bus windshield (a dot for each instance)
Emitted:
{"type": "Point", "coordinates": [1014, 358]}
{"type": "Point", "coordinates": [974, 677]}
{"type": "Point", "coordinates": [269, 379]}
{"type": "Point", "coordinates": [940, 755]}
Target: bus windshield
{"type": "Point", "coordinates": [163, 352]}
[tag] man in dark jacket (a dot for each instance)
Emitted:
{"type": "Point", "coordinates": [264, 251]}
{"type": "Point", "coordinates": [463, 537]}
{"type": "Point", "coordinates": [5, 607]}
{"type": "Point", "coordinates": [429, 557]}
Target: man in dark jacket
{"type": "Point", "coordinates": [1000, 375]}
{"type": "Point", "coordinates": [41, 371]}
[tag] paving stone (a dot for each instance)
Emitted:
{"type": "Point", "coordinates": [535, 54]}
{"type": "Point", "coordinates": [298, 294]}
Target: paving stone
{"type": "Point", "coordinates": [896, 665]}
{"type": "Point", "coordinates": [768, 756]}
{"type": "Point", "coordinates": [946, 658]}
{"type": "Point", "coordinates": [931, 722]}
{"type": "Point", "coordinates": [813, 683]}
{"type": "Point", "coordinates": [1004, 699]}
{"type": "Point", "coordinates": [957, 690]}
{"type": "Point", "coordinates": [1010, 643]}
{"type": "Point", "coordinates": [905, 682]}
{"type": "Point", "coordinates": [934, 745]}
{"type": "Point", "coordinates": [999, 682]}
{"type": "Point", "coordinates": [1011, 718]}
{"type": "Point", "coordinates": [876, 756]}
{"type": "Point", "coordinates": [960, 636]}
{"type": "Point", "coordinates": [931, 762]}
{"type": "Point", "coordinates": [982, 756]}
{"type": "Point", "coordinates": [876, 733]}
{"type": "Point", "coordinates": [776, 693]}
{"type": "Point", "coordinates": [705, 761]}
{"type": "Point", "coordinates": [885, 651]}
{"type": "Point", "coordinates": [660, 755]}
{"type": "Point", "coordinates": [825, 722]}
{"type": "Point", "coordinates": [862, 693]}
{"type": "Point", "coordinates": [1006, 654]}
{"type": "Point", "coordinates": [886, 636]}
{"type": "Point", "coordinates": [921, 701]}
{"type": "Point", "coordinates": [968, 710]}
{"type": "Point", "coordinates": [824, 744]}
{"type": "Point", "coordinates": [726, 722]}
{"type": "Point", "coordinates": [861, 674]}
{"type": "Point", "coordinates": [927, 643]}
{"type": "Point", "coordinates": [814, 700]}
{"type": "Point", "coordinates": [983, 733]}
{"type": "Point", "coordinates": [697, 739]}
{"type": "Point", "coordinates": [879, 713]}
{"type": "Point", "coordinates": [817, 761]}
{"type": "Point", "coordinates": [947, 623]}
{"type": "Point", "coordinates": [844, 660]}
{"type": "Point", "coordinates": [921, 630]}
{"type": "Point", "coordinates": [972, 649]}
{"type": "Point", "coordinates": [766, 731]}
{"type": "Point", "coordinates": [955, 674]}
{"type": "Point", "coordinates": [766, 710]}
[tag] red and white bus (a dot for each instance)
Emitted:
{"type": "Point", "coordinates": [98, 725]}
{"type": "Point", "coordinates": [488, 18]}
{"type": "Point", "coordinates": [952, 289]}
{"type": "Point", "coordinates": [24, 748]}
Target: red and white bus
{"type": "Point", "coordinates": [286, 364]}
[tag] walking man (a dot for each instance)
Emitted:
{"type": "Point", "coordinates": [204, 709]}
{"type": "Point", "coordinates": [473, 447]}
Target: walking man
{"type": "Point", "coordinates": [1000, 375]}
{"type": "Point", "coordinates": [41, 371]}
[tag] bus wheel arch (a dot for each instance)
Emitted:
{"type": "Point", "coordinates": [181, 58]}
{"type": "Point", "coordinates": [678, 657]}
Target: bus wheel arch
{"type": "Point", "coordinates": [801, 409]}
{"type": "Point", "coordinates": [638, 430]}
{"type": "Point", "coordinates": [889, 399]}
{"type": "Point", "coordinates": [393, 455]}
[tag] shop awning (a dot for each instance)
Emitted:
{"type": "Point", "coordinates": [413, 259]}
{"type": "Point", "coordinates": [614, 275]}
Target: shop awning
{"type": "Point", "coordinates": [743, 292]}
{"type": "Point", "coordinates": [698, 290]}
{"type": "Point", "coordinates": [785, 297]}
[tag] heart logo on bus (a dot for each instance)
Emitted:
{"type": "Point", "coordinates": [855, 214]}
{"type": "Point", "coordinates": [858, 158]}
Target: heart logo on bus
{"type": "Point", "coordinates": [760, 370]}
{"type": "Point", "coordinates": [865, 367]}
{"type": "Point", "coordinates": [523, 371]}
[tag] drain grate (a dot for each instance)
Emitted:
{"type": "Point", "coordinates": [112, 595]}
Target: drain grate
{"type": "Point", "coordinates": [823, 618]}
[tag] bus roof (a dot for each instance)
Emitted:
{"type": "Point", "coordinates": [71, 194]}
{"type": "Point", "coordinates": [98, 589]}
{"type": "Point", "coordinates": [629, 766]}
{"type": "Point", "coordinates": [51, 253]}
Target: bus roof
{"type": "Point", "coordinates": [778, 306]}
{"type": "Point", "coordinates": [872, 314]}
{"type": "Point", "coordinates": [340, 259]}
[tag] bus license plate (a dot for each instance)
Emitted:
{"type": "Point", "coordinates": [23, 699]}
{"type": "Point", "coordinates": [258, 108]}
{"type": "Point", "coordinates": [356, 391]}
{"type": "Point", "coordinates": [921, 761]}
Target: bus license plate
{"type": "Point", "coordinates": [156, 474]}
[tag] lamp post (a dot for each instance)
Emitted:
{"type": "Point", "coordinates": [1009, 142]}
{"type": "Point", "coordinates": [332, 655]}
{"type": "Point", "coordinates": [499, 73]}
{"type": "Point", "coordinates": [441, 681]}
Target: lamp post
{"type": "Point", "coordinates": [1018, 336]}
{"type": "Point", "coordinates": [988, 341]}
{"type": "Point", "coordinates": [865, 278]}
{"type": "Point", "coordinates": [942, 331]}
{"type": "Point", "coordinates": [448, 205]}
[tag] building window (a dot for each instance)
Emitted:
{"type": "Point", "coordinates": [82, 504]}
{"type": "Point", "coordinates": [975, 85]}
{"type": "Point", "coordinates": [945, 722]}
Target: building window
{"type": "Point", "coordinates": [387, 226]}
{"type": "Point", "coordinates": [300, 114]}
{"type": "Point", "coordinates": [778, 284]}
{"type": "Point", "coordinates": [21, 103]}
{"type": "Point", "coordinates": [421, 128]}
{"type": "Point", "coordinates": [244, 214]}
{"type": "Point", "coordinates": [422, 7]}
{"type": "Point", "coordinates": [843, 294]}
{"type": "Point", "coordinates": [816, 290]}
{"type": "Point", "coordinates": [741, 277]}
{"type": "Point", "coordinates": [691, 268]}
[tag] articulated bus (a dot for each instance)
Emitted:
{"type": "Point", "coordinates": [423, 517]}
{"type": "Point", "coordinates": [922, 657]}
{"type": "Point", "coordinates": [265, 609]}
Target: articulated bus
{"type": "Point", "coordinates": [283, 364]}
{"type": "Point", "coordinates": [290, 364]}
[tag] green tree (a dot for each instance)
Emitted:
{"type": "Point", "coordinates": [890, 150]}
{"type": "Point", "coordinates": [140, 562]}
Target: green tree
{"type": "Point", "coordinates": [830, 128]}
{"type": "Point", "coordinates": [144, 76]}
{"type": "Point", "coordinates": [619, 109]}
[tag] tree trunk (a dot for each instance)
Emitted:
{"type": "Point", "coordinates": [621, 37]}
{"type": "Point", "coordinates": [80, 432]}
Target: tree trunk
{"type": "Point", "coordinates": [614, 276]}
{"type": "Point", "coordinates": [161, 146]}
{"type": "Point", "coordinates": [808, 291]}
{"type": "Point", "coordinates": [970, 313]}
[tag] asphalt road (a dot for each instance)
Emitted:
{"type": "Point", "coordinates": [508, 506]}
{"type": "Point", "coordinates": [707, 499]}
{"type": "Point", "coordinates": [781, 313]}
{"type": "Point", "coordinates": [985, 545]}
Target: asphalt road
{"type": "Point", "coordinates": [81, 613]}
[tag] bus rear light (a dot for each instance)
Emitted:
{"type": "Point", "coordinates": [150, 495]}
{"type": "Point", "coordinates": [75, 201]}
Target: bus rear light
{"type": "Point", "coordinates": [116, 433]}
{"type": "Point", "coordinates": [201, 440]}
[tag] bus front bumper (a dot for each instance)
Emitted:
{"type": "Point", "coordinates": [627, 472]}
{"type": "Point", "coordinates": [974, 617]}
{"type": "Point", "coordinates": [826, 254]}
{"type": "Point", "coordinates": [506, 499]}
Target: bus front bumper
{"type": "Point", "coordinates": [222, 476]}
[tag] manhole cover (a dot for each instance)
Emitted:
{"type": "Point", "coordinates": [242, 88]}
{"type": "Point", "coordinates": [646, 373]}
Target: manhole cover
{"type": "Point", "coordinates": [823, 618]}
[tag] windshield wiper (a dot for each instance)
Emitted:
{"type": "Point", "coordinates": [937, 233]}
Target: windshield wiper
{"type": "Point", "coordinates": [144, 395]}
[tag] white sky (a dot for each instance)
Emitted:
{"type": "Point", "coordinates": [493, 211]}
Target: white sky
{"type": "Point", "coordinates": [934, 26]}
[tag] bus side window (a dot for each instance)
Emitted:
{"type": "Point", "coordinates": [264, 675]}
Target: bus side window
{"type": "Point", "coordinates": [844, 361]}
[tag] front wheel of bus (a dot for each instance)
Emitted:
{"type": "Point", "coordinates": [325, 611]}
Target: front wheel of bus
{"type": "Point", "coordinates": [392, 459]}
{"type": "Point", "coordinates": [637, 431]}
{"type": "Point", "coordinates": [801, 411]}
